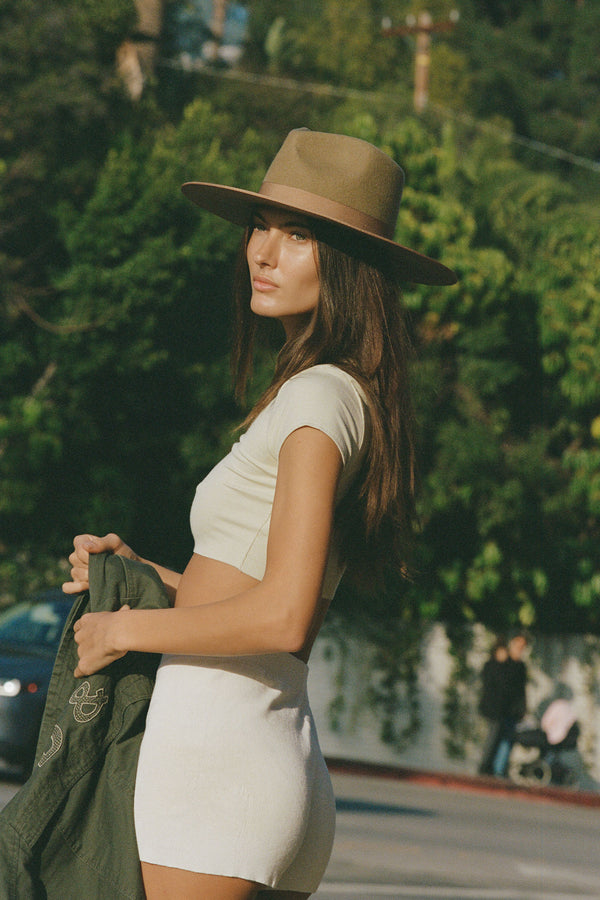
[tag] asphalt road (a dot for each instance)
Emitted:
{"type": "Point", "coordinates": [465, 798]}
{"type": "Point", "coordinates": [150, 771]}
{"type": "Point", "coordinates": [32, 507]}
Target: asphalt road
{"type": "Point", "coordinates": [398, 839]}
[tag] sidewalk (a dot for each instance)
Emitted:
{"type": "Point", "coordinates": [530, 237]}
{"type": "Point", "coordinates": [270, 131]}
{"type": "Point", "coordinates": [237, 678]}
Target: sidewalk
{"type": "Point", "coordinates": [476, 783]}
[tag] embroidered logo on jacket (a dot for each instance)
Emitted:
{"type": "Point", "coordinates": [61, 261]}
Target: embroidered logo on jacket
{"type": "Point", "coordinates": [56, 742]}
{"type": "Point", "coordinates": [86, 705]}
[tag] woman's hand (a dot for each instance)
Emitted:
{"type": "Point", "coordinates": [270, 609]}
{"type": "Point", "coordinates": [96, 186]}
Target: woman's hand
{"type": "Point", "coordinates": [80, 557]}
{"type": "Point", "coordinates": [96, 635]}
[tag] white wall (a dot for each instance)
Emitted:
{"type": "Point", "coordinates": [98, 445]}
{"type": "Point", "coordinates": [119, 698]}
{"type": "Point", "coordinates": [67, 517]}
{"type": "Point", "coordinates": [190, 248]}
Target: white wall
{"type": "Point", "coordinates": [571, 660]}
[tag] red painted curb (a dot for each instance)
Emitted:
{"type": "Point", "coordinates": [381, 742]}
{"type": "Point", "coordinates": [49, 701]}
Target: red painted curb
{"type": "Point", "coordinates": [478, 783]}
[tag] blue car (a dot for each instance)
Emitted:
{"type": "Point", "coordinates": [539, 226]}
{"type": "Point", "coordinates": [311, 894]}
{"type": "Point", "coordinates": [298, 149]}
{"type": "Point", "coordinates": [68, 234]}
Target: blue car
{"type": "Point", "coordinates": [30, 633]}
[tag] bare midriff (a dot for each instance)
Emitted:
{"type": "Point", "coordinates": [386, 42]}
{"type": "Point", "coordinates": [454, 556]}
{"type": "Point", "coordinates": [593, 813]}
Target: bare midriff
{"type": "Point", "coordinates": [206, 580]}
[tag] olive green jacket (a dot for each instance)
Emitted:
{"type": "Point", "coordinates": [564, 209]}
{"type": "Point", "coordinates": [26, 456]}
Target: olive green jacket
{"type": "Point", "coordinates": [68, 834]}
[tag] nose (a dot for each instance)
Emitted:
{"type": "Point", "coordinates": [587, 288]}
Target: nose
{"type": "Point", "coordinates": [265, 246]}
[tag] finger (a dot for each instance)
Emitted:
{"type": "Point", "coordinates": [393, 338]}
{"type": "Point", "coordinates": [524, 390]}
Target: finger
{"type": "Point", "coordinates": [81, 621]}
{"type": "Point", "coordinates": [84, 545]}
{"type": "Point", "coordinates": [75, 587]}
{"type": "Point", "coordinates": [112, 541]}
{"type": "Point", "coordinates": [80, 571]}
{"type": "Point", "coordinates": [75, 559]}
{"type": "Point", "coordinates": [109, 543]}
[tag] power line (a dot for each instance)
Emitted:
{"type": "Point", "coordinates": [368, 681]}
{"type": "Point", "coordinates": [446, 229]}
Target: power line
{"type": "Point", "coordinates": [510, 137]}
{"type": "Point", "coordinates": [328, 90]}
{"type": "Point", "coordinates": [289, 84]}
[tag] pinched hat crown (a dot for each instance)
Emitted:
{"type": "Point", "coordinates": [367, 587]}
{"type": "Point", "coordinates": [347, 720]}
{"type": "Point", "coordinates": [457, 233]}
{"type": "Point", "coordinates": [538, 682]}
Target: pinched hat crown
{"type": "Point", "coordinates": [354, 183]}
{"type": "Point", "coordinates": [334, 178]}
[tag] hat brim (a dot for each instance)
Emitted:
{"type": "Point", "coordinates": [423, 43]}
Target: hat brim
{"type": "Point", "coordinates": [236, 205]}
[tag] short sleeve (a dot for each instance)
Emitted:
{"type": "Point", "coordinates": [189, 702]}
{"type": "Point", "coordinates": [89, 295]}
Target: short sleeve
{"type": "Point", "coordinates": [325, 398]}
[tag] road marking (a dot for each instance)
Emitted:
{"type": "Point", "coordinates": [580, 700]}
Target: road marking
{"type": "Point", "coordinates": [395, 892]}
{"type": "Point", "coordinates": [540, 870]}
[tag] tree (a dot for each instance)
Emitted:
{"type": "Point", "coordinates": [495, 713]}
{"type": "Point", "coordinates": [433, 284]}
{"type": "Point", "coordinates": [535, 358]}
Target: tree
{"type": "Point", "coordinates": [118, 372]}
{"type": "Point", "coordinates": [509, 522]}
{"type": "Point", "coordinates": [58, 114]}
{"type": "Point", "coordinates": [60, 111]}
{"type": "Point", "coordinates": [536, 64]}
{"type": "Point", "coordinates": [139, 403]}
{"type": "Point", "coordinates": [330, 40]}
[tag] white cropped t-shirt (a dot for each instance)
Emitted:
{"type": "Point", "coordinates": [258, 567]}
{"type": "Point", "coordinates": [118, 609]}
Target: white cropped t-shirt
{"type": "Point", "coordinates": [231, 512]}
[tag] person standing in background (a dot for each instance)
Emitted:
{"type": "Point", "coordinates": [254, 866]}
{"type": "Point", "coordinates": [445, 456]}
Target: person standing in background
{"type": "Point", "coordinates": [515, 701]}
{"type": "Point", "coordinates": [492, 703]}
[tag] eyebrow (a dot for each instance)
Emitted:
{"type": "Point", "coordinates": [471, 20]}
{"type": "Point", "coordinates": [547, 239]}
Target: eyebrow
{"type": "Point", "coordinates": [289, 223]}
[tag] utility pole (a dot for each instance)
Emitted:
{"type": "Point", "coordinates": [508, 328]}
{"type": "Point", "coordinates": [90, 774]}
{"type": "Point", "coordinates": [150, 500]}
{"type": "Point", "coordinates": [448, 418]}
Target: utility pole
{"type": "Point", "coordinates": [136, 57]}
{"type": "Point", "coordinates": [423, 27]}
{"type": "Point", "coordinates": [217, 25]}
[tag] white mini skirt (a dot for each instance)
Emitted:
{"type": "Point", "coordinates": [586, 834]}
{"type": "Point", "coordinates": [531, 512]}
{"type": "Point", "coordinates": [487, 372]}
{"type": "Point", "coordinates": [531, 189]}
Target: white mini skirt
{"type": "Point", "coordinates": [231, 780]}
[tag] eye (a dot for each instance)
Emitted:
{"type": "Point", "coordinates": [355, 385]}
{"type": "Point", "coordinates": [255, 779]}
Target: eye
{"type": "Point", "coordinates": [257, 225]}
{"type": "Point", "coordinates": [298, 235]}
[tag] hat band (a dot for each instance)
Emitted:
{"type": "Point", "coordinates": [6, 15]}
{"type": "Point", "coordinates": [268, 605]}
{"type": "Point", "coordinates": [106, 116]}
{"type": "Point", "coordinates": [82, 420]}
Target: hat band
{"type": "Point", "coordinates": [322, 207]}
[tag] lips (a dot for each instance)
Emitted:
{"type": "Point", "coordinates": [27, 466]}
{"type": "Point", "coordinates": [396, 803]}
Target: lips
{"type": "Point", "coordinates": [260, 283]}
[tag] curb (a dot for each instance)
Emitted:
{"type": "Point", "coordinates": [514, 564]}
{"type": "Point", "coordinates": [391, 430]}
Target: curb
{"type": "Point", "coordinates": [478, 783]}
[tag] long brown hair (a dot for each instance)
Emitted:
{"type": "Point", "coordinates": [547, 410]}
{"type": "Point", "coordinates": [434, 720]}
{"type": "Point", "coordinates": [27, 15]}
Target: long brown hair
{"type": "Point", "coordinates": [358, 325]}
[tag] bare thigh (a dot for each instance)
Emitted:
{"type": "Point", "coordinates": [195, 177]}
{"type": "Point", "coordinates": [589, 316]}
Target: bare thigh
{"type": "Point", "coordinates": [281, 895]}
{"type": "Point", "coordinates": [165, 883]}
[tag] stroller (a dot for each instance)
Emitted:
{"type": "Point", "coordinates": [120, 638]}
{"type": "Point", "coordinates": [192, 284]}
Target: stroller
{"type": "Point", "coordinates": [534, 761]}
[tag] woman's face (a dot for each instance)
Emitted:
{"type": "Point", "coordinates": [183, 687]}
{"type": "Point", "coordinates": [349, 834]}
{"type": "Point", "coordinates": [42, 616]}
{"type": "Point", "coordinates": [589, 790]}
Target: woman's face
{"type": "Point", "coordinates": [282, 259]}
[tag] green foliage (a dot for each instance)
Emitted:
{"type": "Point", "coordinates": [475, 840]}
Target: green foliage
{"type": "Point", "coordinates": [536, 63]}
{"type": "Point", "coordinates": [570, 315]}
{"type": "Point", "coordinates": [60, 104]}
{"type": "Point", "coordinates": [143, 302]}
{"type": "Point", "coordinates": [115, 315]}
{"type": "Point", "coordinates": [115, 394]}
{"type": "Point", "coordinates": [337, 41]}
{"type": "Point", "coordinates": [532, 62]}
{"type": "Point", "coordinates": [458, 715]}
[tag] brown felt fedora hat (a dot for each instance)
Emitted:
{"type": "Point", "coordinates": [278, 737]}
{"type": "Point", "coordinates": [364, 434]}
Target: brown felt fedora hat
{"type": "Point", "coordinates": [333, 178]}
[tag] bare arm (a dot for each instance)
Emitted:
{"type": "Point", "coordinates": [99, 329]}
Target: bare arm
{"type": "Point", "coordinates": [274, 615]}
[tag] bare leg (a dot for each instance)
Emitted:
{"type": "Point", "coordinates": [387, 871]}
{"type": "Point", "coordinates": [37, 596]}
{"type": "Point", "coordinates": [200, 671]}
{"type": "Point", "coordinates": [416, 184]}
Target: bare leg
{"type": "Point", "coordinates": [164, 883]}
{"type": "Point", "coordinates": [281, 895]}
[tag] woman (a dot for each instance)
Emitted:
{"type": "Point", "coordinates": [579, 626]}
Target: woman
{"type": "Point", "coordinates": [232, 793]}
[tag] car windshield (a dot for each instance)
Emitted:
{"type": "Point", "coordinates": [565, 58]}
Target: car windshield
{"type": "Point", "coordinates": [33, 625]}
